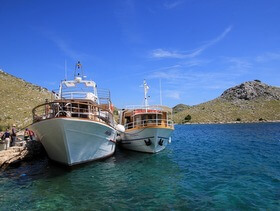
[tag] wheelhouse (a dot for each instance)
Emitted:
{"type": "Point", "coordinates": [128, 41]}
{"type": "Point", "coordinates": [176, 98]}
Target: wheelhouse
{"type": "Point", "coordinates": [148, 116]}
{"type": "Point", "coordinates": [78, 99]}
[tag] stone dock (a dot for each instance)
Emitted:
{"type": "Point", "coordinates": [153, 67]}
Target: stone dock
{"type": "Point", "coordinates": [24, 151]}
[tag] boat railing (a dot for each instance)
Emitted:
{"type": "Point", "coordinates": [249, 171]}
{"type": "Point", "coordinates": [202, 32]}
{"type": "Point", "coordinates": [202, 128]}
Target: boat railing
{"type": "Point", "coordinates": [150, 122]}
{"type": "Point", "coordinates": [104, 96]}
{"type": "Point", "coordinates": [151, 107]}
{"type": "Point", "coordinates": [64, 108]}
{"type": "Point", "coordinates": [77, 95]}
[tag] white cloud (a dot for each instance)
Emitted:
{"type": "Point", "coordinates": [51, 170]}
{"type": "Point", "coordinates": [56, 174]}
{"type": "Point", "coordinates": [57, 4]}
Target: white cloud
{"type": "Point", "coordinates": [66, 49]}
{"type": "Point", "coordinates": [161, 53]}
{"type": "Point", "coordinates": [172, 4]}
{"type": "Point", "coordinates": [166, 74]}
{"type": "Point", "coordinates": [184, 78]}
{"type": "Point", "coordinates": [220, 37]}
{"type": "Point", "coordinates": [195, 62]}
{"type": "Point", "coordinates": [269, 56]}
{"type": "Point", "coordinates": [63, 45]}
{"type": "Point", "coordinates": [125, 14]}
{"type": "Point", "coordinates": [173, 94]}
{"type": "Point", "coordinates": [238, 65]}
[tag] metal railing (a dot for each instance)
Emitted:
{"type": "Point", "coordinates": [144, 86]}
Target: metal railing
{"type": "Point", "coordinates": [104, 96]}
{"type": "Point", "coordinates": [150, 122]}
{"type": "Point", "coordinates": [79, 95]}
{"type": "Point", "coordinates": [74, 109]}
{"type": "Point", "coordinates": [152, 107]}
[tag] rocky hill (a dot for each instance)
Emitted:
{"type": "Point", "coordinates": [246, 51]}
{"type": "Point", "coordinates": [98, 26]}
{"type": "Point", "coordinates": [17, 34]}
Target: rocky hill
{"type": "Point", "coordinates": [18, 98]}
{"type": "Point", "coordinates": [180, 107]}
{"type": "Point", "coordinates": [251, 90]}
{"type": "Point", "coordinates": [251, 101]}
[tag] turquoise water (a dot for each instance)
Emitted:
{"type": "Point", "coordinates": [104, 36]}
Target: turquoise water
{"type": "Point", "coordinates": [207, 167]}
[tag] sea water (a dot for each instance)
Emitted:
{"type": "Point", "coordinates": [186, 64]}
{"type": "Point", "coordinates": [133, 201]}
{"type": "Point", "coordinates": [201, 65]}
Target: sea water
{"type": "Point", "coordinates": [206, 167]}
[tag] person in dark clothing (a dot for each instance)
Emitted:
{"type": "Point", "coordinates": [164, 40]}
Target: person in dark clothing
{"type": "Point", "coordinates": [31, 135]}
{"type": "Point", "coordinates": [6, 137]}
{"type": "Point", "coordinates": [7, 134]}
{"type": "Point", "coordinates": [13, 135]}
{"type": "Point", "coordinates": [26, 134]}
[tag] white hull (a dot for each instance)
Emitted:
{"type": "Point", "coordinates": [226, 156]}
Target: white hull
{"type": "Point", "coordinates": [151, 140]}
{"type": "Point", "coordinates": [72, 141]}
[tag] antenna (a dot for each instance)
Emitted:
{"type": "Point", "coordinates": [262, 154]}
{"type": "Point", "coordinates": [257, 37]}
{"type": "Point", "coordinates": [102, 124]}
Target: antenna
{"type": "Point", "coordinates": [146, 88]}
{"type": "Point", "coordinates": [78, 70]}
{"type": "Point", "coordinates": [65, 69]}
{"type": "Point", "coordinates": [160, 96]}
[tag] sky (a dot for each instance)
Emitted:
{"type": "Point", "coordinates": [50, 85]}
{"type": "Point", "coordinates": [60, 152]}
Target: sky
{"type": "Point", "coordinates": [195, 49]}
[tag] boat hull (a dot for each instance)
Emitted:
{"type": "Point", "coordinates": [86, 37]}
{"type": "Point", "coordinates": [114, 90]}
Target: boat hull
{"type": "Point", "coordinates": [150, 140]}
{"type": "Point", "coordinates": [73, 141]}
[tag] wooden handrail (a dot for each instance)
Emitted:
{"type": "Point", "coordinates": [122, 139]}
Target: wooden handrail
{"type": "Point", "coordinates": [73, 108]}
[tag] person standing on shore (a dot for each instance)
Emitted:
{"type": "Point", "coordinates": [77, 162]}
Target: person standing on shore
{"type": "Point", "coordinates": [31, 135]}
{"type": "Point", "coordinates": [26, 134]}
{"type": "Point", "coordinates": [13, 135]}
{"type": "Point", "coordinates": [6, 137]}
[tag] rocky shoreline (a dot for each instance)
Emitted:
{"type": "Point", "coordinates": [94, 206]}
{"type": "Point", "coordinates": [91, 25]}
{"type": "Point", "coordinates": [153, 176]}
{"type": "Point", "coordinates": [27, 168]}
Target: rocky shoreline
{"type": "Point", "coordinates": [23, 151]}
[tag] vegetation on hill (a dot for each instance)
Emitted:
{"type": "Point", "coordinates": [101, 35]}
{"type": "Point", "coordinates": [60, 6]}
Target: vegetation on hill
{"type": "Point", "coordinates": [251, 101]}
{"type": "Point", "coordinates": [180, 107]}
{"type": "Point", "coordinates": [18, 98]}
{"type": "Point", "coordinates": [248, 102]}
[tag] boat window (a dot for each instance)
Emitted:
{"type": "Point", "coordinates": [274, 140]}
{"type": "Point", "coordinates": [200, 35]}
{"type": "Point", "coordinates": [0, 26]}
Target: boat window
{"type": "Point", "coordinates": [127, 120]}
{"type": "Point", "coordinates": [138, 120]}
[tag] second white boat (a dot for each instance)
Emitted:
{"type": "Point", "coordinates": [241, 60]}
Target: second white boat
{"type": "Point", "coordinates": [147, 128]}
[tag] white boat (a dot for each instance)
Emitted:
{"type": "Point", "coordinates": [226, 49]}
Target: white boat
{"type": "Point", "coordinates": [78, 126]}
{"type": "Point", "coordinates": [147, 128]}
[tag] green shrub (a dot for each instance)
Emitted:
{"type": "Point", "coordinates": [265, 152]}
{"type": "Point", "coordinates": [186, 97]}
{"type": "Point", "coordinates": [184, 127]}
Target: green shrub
{"type": "Point", "coordinates": [238, 119]}
{"type": "Point", "coordinates": [3, 127]}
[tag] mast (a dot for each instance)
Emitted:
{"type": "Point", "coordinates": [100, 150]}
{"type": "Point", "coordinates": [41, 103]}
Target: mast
{"type": "Point", "coordinates": [78, 70]}
{"type": "Point", "coordinates": [146, 88]}
{"type": "Point", "coordinates": [60, 90]}
{"type": "Point", "coordinates": [65, 69]}
{"type": "Point", "coordinates": [160, 95]}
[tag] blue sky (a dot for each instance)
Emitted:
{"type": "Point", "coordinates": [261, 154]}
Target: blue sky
{"type": "Point", "coordinates": [197, 48]}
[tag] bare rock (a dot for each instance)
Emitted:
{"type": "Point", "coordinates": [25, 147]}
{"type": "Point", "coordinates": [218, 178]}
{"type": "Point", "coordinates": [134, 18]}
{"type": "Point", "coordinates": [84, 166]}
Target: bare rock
{"type": "Point", "coordinates": [31, 150]}
{"type": "Point", "coordinates": [251, 90]}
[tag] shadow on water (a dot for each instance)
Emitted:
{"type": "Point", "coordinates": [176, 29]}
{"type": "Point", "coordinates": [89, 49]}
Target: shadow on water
{"type": "Point", "coordinates": [47, 168]}
{"type": "Point", "coordinates": [127, 176]}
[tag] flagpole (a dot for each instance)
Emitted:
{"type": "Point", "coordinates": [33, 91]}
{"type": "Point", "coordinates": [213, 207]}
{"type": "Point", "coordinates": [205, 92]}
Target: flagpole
{"type": "Point", "coordinates": [146, 88]}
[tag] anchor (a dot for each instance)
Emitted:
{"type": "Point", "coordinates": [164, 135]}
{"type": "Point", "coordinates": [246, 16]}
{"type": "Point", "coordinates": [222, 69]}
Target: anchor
{"type": "Point", "coordinates": [148, 143]}
{"type": "Point", "coordinates": [160, 142]}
